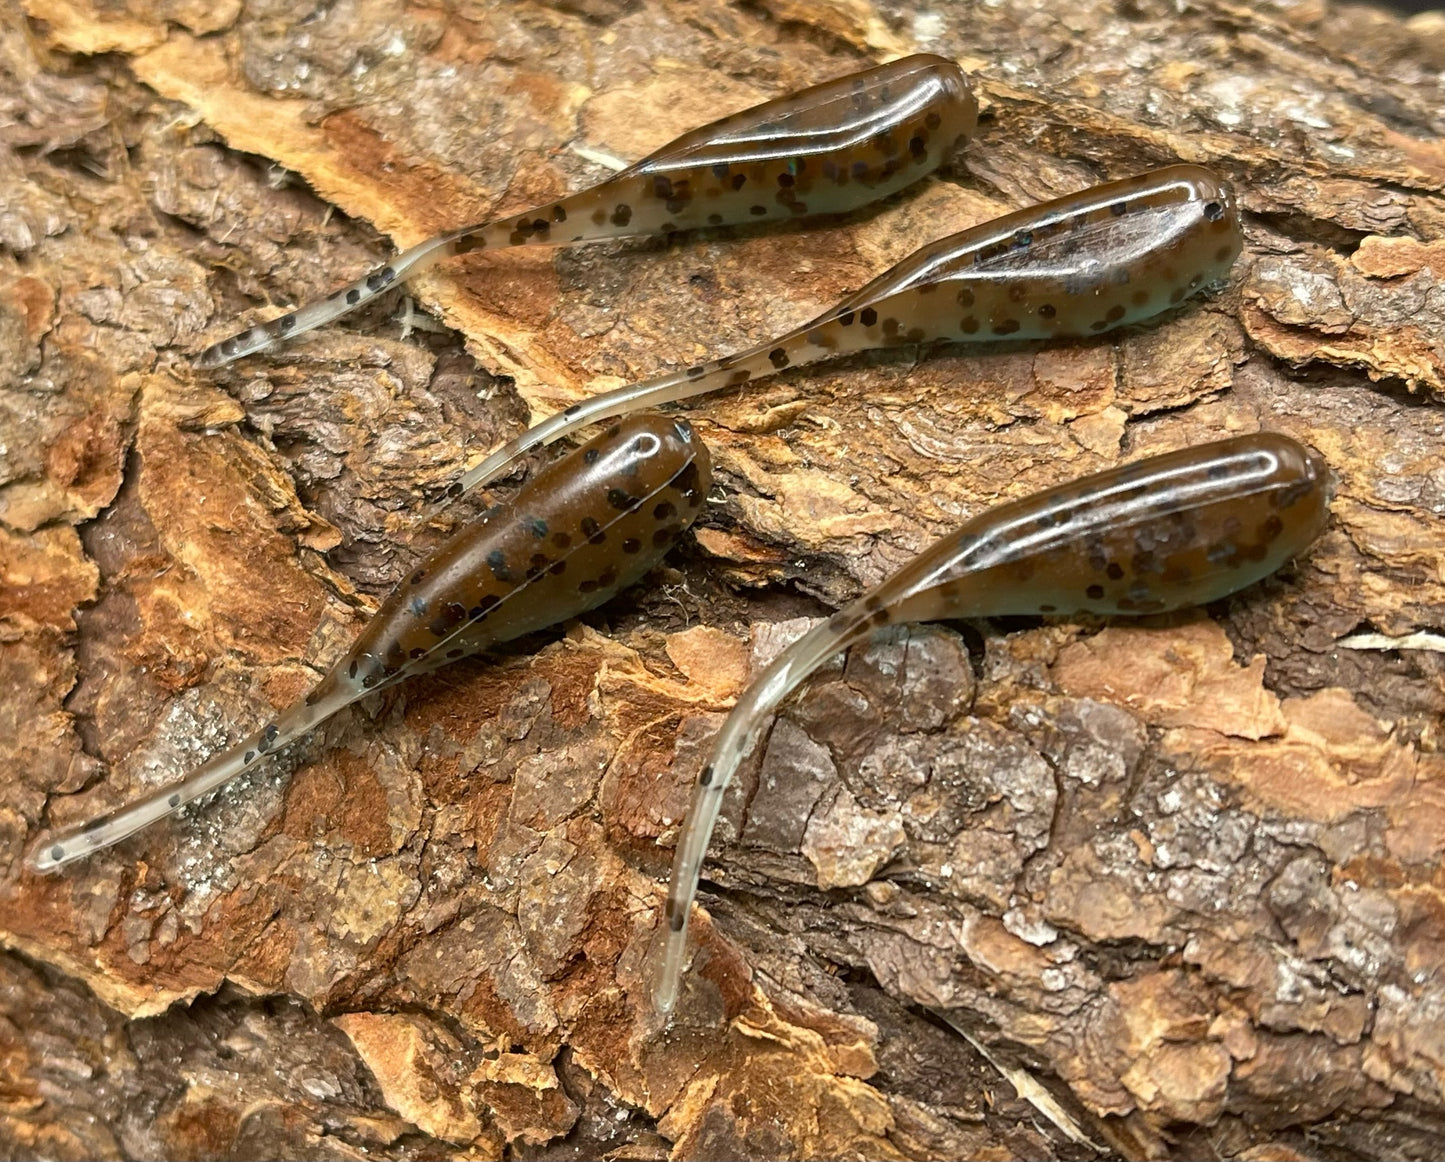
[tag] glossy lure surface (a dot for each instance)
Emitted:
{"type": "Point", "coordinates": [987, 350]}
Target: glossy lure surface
{"type": "Point", "coordinates": [585, 529]}
{"type": "Point", "coordinates": [1074, 267]}
{"type": "Point", "coordinates": [823, 150]}
{"type": "Point", "coordinates": [1162, 533]}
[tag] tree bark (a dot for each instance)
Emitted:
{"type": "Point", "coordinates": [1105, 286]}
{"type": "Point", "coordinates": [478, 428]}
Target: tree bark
{"type": "Point", "coordinates": [1004, 890]}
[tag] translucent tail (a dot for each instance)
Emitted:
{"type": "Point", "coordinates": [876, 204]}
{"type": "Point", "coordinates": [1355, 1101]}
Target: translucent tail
{"type": "Point", "coordinates": [323, 311]}
{"type": "Point", "coordinates": [532, 228]}
{"type": "Point", "coordinates": [734, 741]}
{"type": "Point", "coordinates": [791, 350]}
{"type": "Point", "coordinates": [53, 851]}
{"type": "Point", "coordinates": [609, 405]}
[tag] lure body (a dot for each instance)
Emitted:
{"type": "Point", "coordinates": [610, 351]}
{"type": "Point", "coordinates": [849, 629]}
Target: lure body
{"type": "Point", "coordinates": [1159, 534]}
{"type": "Point", "coordinates": [587, 528]}
{"type": "Point", "coordinates": [823, 150]}
{"type": "Point", "coordinates": [1074, 267]}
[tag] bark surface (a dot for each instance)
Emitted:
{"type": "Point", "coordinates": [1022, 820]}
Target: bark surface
{"type": "Point", "coordinates": [1002, 890]}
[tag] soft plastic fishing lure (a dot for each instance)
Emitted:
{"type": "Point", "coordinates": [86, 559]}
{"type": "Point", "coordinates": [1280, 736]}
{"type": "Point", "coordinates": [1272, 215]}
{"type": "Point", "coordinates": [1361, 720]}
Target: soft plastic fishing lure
{"type": "Point", "coordinates": [824, 150]}
{"type": "Point", "coordinates": [1074, 267]}
{"type": "Point", "coordinates": [585, 529]}
{"type": "Point", "coordinates": [1159, 534]}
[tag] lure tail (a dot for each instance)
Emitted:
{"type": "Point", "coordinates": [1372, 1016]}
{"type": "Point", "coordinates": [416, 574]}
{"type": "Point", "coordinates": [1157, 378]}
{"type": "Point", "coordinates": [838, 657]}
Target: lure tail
{"type": "Point", "coordinates": [53, 851]}
{"type": "Point", "coordinates": [734, 741]}
{"type": "Point", "coordinates": [496, 234]}
{"type": "Point", "coordinates": [807, 344]}
{"type": "Point", "coordinates": [323, 311]}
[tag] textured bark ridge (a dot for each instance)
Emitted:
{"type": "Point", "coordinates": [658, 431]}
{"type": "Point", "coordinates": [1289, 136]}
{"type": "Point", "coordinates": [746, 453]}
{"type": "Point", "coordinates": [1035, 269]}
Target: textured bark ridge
{"type": "Point", "coordinates": [1003, 890]}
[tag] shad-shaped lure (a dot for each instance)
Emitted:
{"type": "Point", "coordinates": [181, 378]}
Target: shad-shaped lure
{"type": "Point", "coordinates": [1159, 534]}
{"type": "Point", "coordinates": [586, 528]}
{"type": "Point", "coordinates": [824, 150]}
{"type": "Point", "coordinates": [1073, 267]}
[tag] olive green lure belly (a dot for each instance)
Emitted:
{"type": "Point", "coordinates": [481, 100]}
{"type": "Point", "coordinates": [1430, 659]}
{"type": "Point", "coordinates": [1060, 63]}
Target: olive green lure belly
{"type": "Point", "coordinates": [1074, 267]}
{"type": "Point", "coordinates": [823, 150]}
{"type": "Point", "coordinates": [586, 528]}
{"type": "Point", "coordinates": [1159, 534]}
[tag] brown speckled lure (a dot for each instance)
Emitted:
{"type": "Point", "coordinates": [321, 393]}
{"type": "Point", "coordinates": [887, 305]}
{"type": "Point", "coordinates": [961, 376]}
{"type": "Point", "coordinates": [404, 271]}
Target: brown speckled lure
{"type": "Point", "coordinates": [586, 528]}
{"type": "Point", "coordinates": [824, 150]}
{"type": "Point", "coordinates": [1075, 267]}
{"type": "Point", "coordinates": [1159, 534]}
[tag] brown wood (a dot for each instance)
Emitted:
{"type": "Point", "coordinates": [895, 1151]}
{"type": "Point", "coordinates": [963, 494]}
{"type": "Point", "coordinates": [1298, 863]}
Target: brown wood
{"type": "Point", "coordinates": [1179, 882]}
